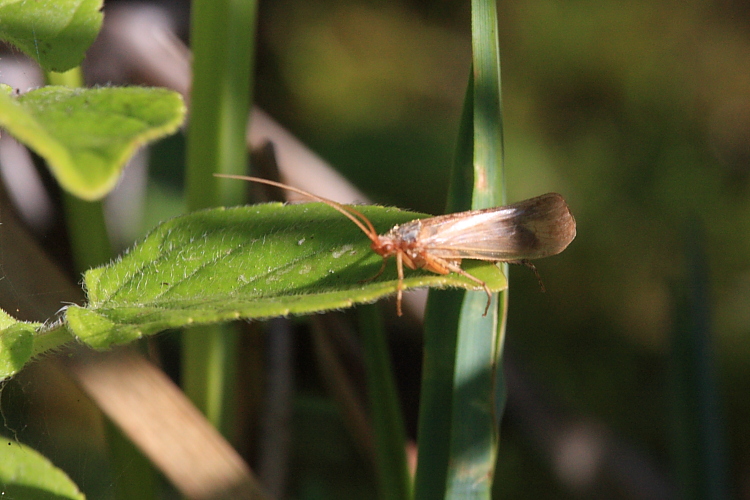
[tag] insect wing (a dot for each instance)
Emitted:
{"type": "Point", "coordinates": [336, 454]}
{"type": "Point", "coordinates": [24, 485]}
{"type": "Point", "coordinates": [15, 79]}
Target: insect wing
{"type": "Point", "coordinates": [530, 229]}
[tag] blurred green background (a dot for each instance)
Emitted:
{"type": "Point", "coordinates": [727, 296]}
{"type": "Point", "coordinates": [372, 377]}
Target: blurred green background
{"type": "Point", "coordinates": [638, 112]}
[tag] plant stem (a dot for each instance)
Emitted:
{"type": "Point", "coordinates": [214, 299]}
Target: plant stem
{"type": "Point", "coordinates": [222, 39]}
{"type": "Point", "coordinates": [222, 35]}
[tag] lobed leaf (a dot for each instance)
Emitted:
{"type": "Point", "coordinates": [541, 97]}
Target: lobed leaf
{"type": "Point", "coordinates": [246, 262]}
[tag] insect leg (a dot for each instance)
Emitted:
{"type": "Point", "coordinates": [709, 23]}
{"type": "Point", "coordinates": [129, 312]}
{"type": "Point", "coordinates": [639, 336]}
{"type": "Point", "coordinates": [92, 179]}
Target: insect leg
{"type": "Point", "coordinates": [400, 286]}
{"type": "Point", "coordinates": [457, 269]}
{"type": "Point", "coordinates": [382, 268]}
{"type": "Point", "coordinates": [530, 265]}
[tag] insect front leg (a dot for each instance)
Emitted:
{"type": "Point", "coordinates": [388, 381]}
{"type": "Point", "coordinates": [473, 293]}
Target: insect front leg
{"type": "Point", "coordinates": [382, 268]}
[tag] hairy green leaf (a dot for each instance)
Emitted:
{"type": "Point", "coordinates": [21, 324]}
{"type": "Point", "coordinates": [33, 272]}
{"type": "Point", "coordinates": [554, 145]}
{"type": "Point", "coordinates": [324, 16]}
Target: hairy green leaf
{"type": "Point", "coordinates": [87, 135]}
{"type": "Point", "coordinates": [247, 262]}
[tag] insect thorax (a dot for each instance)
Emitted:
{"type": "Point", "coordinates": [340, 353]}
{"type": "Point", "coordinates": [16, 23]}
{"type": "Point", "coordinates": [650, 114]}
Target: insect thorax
{"type": "Point", "coordinates": [407, 233]}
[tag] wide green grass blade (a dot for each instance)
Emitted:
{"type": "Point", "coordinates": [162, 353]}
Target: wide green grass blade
{"type": "Point", "coordinates": [462, 368]}
{"type": "Point", "coordinates": [479, 388]}
{"type": "Point", "coordinates": [436, 396]}
{"type": "Point", "coordinates": [387, 421]}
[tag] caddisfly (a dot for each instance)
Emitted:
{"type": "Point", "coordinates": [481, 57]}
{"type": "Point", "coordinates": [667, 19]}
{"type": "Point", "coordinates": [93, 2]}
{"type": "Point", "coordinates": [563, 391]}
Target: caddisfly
{"type": "Point", "coordinates": [530, 229]}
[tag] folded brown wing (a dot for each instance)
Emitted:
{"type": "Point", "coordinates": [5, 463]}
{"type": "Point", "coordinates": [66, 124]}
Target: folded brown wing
{"type": "Point", "coordinates": [530, 229]}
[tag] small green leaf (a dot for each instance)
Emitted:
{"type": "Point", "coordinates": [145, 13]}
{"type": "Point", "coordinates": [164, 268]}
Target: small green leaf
{"type": "Point", "coordinates": [87, 135]}
{"type": "Point", "coordinates": [16, 344]}
{"type": "Point", "coordinates": [24, 473]}
{"type": "Point", "coordinates": [256, 261]}
{"type": "Point", "coordinates": [56, 33]}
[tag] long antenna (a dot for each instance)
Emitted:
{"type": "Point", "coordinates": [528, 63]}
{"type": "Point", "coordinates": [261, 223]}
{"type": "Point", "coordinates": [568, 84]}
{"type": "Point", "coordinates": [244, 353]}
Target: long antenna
{"type": "Point", "coordinates": [364, 224]}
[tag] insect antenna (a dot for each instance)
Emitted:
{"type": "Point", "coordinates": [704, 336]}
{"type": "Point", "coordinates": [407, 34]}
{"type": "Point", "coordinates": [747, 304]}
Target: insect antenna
{"type": "Point", "coordinates": [352, 214]}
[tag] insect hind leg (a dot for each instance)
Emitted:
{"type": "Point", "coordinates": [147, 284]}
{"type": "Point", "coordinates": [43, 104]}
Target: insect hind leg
{"type": "Point", "coordinates": [457, 269]}
{"type": "Point", "coordinates": [530, 265]}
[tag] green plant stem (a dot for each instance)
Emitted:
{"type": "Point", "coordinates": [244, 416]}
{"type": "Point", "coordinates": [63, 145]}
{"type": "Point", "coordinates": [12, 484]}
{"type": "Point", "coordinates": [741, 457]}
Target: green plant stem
{"type": "Point", "coordinates": [72, 78]}
{"type": "Point", "coordinates": [87, 231]}
{"type": "Point", "coordinates": [222, 39]}
{"type": "Point", "coordinates": [49, 340]}
{"type": "Point", "coordinates": [390, 436]}
{"type": "Point", "coordinates": [209, 353]}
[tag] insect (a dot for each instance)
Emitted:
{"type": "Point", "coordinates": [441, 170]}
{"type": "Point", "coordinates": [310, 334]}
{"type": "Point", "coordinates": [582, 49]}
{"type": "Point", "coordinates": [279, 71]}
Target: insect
{"type": "Point", "coordinates": [530, 229]}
